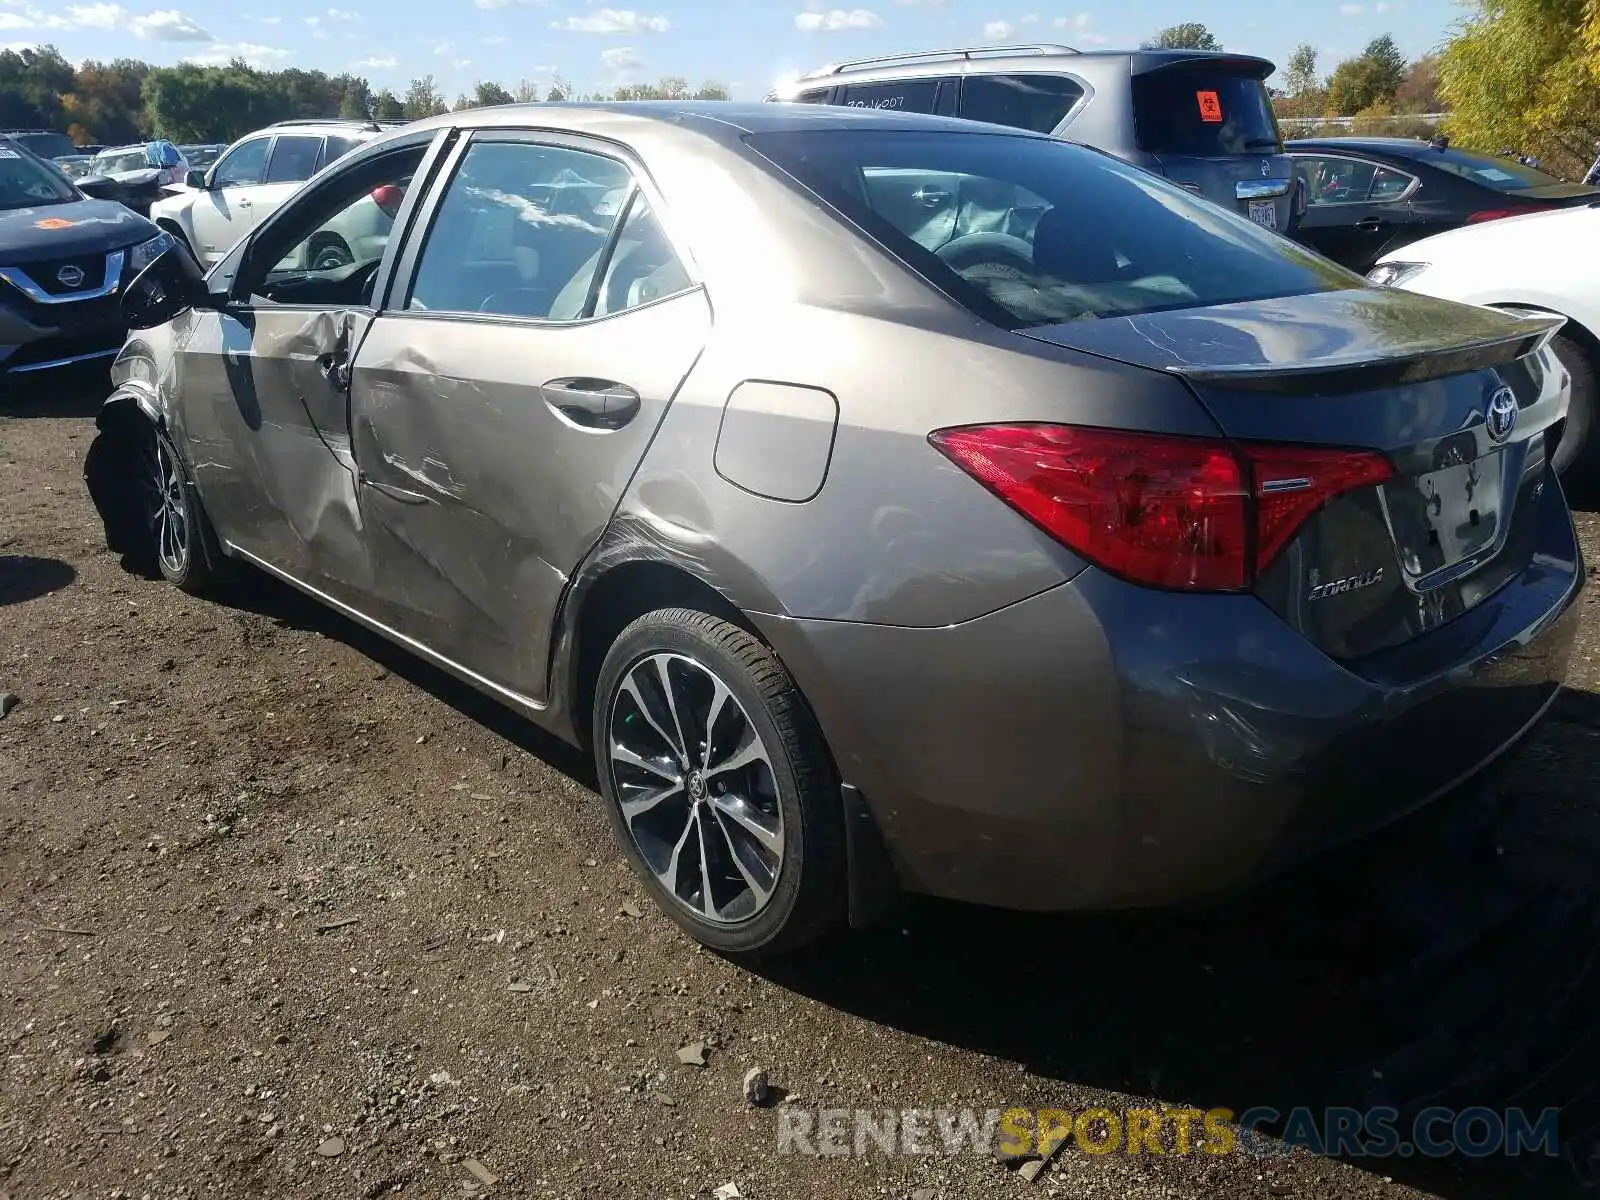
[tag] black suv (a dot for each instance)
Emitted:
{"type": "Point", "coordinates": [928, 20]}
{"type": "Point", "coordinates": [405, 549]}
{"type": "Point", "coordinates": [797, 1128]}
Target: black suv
{"type": "Point", "coordinates": [1203, 119]}
{"type": "Point", "coordinates": [64, 258]}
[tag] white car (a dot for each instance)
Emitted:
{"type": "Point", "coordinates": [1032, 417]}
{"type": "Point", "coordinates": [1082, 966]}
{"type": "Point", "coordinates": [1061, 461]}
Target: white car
{"type": "Point", "coordinates": [213, 210]}
{"type": "Point", "coordinates": [1545, 262]}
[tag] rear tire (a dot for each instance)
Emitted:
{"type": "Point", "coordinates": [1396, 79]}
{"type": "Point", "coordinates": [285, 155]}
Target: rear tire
{"type": "Point", "coordinates": [1577, 456]}
{"type": "Point", "coordinates": [748, 858]}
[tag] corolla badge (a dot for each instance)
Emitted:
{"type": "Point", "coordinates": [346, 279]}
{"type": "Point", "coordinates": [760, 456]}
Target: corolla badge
{"type": "Point", "coordinates": [1339, 587]}
{"type": "Point", "coordinates": [1501, 414]}
{"type": "Point", "coordinates": [70, 276]}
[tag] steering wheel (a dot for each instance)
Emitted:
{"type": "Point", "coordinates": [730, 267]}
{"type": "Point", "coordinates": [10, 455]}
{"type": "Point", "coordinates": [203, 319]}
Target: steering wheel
{"type": "Point", "coordinates": [988, 256]}
{"type": "Point", "coordinates": [505, 302]}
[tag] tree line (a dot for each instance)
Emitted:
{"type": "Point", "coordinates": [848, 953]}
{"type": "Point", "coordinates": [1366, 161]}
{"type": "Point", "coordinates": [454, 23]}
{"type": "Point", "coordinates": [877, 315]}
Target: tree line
{"type": "Point", "coordinates": [1518, 75]}
{"type": "Point", "coordinates": [129, 101]}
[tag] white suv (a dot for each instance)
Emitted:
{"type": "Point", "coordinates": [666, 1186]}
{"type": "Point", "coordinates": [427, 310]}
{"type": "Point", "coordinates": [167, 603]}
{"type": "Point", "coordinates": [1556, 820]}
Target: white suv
{"type": "Point", "coordinates": [255, 175]}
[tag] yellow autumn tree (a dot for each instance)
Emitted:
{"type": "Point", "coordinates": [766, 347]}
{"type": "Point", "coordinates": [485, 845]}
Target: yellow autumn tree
{"type": "Point", "coordinates": [1525, 75]}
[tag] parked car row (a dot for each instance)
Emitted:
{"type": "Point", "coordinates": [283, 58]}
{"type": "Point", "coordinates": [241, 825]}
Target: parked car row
{"type": "Point", "coordinates": [887, 501]}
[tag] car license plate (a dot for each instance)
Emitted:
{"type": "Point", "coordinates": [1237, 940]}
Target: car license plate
{"type": "Point", "coordinates": [1264, 213]}
{"type": "Point", "coordinates": [1448, 516]}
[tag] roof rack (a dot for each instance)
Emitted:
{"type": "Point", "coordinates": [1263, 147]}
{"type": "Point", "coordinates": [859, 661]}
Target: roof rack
{"type": "Point", "coordinates": [373, 125]}
{"type": "Point", "coordinates": [965, 52]}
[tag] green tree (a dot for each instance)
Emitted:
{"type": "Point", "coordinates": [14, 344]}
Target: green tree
{"type": "Point", "coordinates": [386, 106]}
{"type": "Point", "coordinates": [1300, 72]}
{"type": "Point", "coordinates": [423, 99]}
{"type": "Point", "coordinates": [488, 94]}
{"type": "Point", "coordinates": [356, 102]}
{"type": "Point", "coordinates": [1191, 35]}
{"type": "Point", "coordinates": [1370, 78]}
{"type": "Point", "coordinates": [1526, 74]}
{"type": "Point", "coordinates": [1419, 87]}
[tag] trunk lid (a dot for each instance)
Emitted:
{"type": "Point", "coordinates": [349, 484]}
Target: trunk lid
{"type": "Point", "coordinates": [1460, 400]}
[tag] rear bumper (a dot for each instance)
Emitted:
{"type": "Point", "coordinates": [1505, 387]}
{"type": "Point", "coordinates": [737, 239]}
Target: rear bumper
{"type": "Point", "coordinates": [1103, 745]}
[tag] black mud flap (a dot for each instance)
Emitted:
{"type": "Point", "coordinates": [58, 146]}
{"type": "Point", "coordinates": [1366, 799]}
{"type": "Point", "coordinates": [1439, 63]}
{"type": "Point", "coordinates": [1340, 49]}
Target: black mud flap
{"type": "Point", "coordinates": [875, 893]}
{"type": "Point", "coordinates": [113, 473]}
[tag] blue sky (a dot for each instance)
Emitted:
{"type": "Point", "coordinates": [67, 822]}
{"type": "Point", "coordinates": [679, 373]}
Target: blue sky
{"type": "Point", "coordinates": [748, 44]}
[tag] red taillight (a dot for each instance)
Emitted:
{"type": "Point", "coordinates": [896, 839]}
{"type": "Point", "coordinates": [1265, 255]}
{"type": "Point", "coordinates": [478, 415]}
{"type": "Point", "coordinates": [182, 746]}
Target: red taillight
{"type": "Point", "coordinates": [388, 197]}
{"type": "Point", "coordinates": [1495, 214]}
{"type": "Point", "coordinates": [1173, 512]}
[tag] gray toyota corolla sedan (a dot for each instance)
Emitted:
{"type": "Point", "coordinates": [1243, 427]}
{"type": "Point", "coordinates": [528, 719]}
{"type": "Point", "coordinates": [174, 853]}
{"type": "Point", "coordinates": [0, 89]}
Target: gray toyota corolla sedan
{"type": "Point", "coordinates": [891, 502]}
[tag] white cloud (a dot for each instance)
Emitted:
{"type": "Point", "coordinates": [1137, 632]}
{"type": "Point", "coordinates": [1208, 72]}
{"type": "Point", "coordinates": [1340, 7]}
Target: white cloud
{"type": "Point", "coordinates": [1081, 21]}
{"type": "Point", "coordinates": [444, 48]}
{"type": "Point", "coordinates": [496, 4]}
{"type": "Point", "coordinates": [612, 20]}
{"type": "Point", "coordinates": [222, 53]}
{"type": "Point", "coordinates": [1381, 6]}
{"type": "Point", "coordinates": [920, 3]}
{"type": "Point", "coordinates": [1031, 19]}
{"type": "Point", "coordinates": [343, 14]}
{"type": "Point", "coordinates": [1350, 10]}
{"type": "Point", "coordinates": [168, 25]}
{"type": "Point", "coordinates": [495, 41]}
{"type": "Point", "coordinates": [313, 21]}
{"type": "Point", "coordinates": [89, 16]}
{"type": "Point", "coordinates": [836, 20]}
{"type": "Point", "coordinates": [14, 21]}
{"type": "Point", "coordinates": [621, 59]}
{"type": "Point", "coordinates": [268, 20]}
{"type": "Point", "coordinates": [998, 31]}
{"type": "Point", "coordinates": [378, 62]}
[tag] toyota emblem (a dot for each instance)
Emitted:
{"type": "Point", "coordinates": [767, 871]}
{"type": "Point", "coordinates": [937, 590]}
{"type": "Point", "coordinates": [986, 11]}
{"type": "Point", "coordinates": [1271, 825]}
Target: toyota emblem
{"type": "Point", "coordinates": [70, 276]}
{"type": "Point", "coordinates": [1501, 415]}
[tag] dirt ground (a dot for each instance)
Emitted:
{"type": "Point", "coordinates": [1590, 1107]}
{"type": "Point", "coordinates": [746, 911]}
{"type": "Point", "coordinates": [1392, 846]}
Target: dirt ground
{"type": "Point", "coordinates": [284, 913]}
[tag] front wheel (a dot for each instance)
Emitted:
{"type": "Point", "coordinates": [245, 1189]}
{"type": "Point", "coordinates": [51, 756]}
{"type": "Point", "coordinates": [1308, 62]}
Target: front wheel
{"type": "Point", "coordinates": [718, 784]}
{"type": "Point", "coordinates": [181, 539]}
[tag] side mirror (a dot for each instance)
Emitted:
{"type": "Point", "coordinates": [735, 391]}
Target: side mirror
{"type": "Point", "coordinates": [169, 287]}
{"type": "Point", "coordinates": [99, 187]}
{"type": "Point", "coordinates": [196, 180]}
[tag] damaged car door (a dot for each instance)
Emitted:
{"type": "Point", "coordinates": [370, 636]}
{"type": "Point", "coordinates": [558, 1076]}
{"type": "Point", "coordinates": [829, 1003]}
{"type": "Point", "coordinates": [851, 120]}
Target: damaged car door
{"type": "Point", "coordinates": [506, 393]}
{"type": "Point", "coordinates": [266, 388]}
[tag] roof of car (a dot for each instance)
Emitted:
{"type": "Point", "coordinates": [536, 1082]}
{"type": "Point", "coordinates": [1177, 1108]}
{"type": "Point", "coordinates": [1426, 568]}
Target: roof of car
{"type": "Point", "coordinates": [719, 119]}
{"type": "Point", "coordinates": [1401, 147]}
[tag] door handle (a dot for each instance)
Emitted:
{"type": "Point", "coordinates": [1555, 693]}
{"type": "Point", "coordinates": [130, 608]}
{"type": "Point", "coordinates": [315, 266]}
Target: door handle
{"type": "Point", "coordinates": [243, 203]}
{"type": "Point", "coordinates": [930, 197]}
{"type": "Point", "coordinates": [1369, 225]}
{"type": "Point", "coordinates": [592, 403]}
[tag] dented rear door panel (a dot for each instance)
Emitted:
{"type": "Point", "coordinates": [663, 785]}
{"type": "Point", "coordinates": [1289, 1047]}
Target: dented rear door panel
{"type": "Point", "coordinates": [482, 487]}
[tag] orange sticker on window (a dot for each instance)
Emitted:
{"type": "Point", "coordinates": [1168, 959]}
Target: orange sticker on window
{"type": "Point", "coordinates": [1210, 107]}
{"type": "Point", "coordinates": [54, 223]}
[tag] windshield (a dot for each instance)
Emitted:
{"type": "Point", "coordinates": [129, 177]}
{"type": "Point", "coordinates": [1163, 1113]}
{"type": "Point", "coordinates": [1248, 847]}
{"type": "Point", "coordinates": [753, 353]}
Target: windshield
{"type": "Point", "coordinates": [25, 182]}
{"type": "Point", "coordinates": [1501, 174]}
{"type": "Point", "coordinates": [1035, 231]}
{"type": "Point", "coordinates": [1201, 110]}
{"type": "Point", "coordinates": [113, 162]}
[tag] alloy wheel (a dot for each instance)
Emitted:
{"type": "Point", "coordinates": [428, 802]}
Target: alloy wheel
{"type": "Point", "coordinates": [695, 786]}
{"type": "Point", "coordinates": [169, 518]}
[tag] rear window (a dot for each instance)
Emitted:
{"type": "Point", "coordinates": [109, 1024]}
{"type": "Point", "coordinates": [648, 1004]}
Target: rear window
{"type": "Point", "coordinates": [1032, 231]}
{"type": "Point", "coordinates": [1501, 174]}
{"type": "Point", "coordinates": [1200, 111]}
{"type": "Point", "coordinates": [45, 145]}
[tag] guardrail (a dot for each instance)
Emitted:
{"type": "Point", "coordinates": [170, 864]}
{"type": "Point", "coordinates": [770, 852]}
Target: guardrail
{"type": "Point", "coordinates": [1349, 122]}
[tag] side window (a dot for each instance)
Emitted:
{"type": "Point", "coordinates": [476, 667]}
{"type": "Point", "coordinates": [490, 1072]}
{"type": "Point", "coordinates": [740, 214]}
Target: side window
{"type": "Point", "coordinates": [1389, 184]}
{"type": "Point", "coordinates": [335, 148]}
{"type": "Point", "coordinates": [949, 93]}
{"type": "Point", "coordinates": [242, 166]}
{"type": "Point", "coordinates": [294, 159]}
{"type": "Point", "coordinates": [1336, 180]}
{"type": "Point", "coordinates": [643, 267]}
{"type": "Point", "coordinates": [520, 232]}
{"type": "Point", "coordinates": [817, 97]}
{"type": "Point", "coordinates": [325, 246]}
{"type": "Point", "coordinates": [1034, 102]}
{"type": "Point", "coordinates": [903, 95]}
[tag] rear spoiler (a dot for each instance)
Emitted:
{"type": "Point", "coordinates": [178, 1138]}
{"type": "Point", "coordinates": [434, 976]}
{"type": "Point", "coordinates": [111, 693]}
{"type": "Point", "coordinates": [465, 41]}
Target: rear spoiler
{"type": "Point", "coordinates": [1532, 335]}
{"type": "Point", "coordinates": [1243, 64]}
